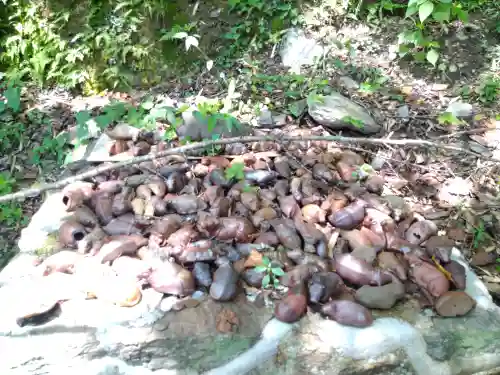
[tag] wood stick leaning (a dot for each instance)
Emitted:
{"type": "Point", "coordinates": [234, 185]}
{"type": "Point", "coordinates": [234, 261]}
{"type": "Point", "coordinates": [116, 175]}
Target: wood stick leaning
{"type": "Point", "coordinates": [414, 143]}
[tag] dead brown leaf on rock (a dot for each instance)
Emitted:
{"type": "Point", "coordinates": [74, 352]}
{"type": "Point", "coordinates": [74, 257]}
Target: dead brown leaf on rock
{"type": "Point", "coordinates": [253, 260]}
{"type": "Point", "coordinates": [226, 321]}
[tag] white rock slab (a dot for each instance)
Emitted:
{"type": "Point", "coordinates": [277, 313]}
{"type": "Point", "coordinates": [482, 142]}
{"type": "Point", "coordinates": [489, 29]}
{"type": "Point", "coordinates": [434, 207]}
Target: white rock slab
{"type": "Point", "coordinates": [298, 50]}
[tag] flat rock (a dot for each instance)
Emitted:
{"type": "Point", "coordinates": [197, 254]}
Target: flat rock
{"type": "Point", "coordinates": [185, 342]}
{"type": "Point", "coordinates": [267, 119]}
{"type": "Point", "coordinates": [335, 111]}
{"type": "Point", "coordinates": [348, 83]}
{"type": "Point", "coordinates": [403, 111]}
{"type": "Point", "coordinates": [196, 128]}
{"type": "Point", "coordinates": [298, 50]}
{"type": "Point", "coordinates": [460, 109]}
{"type": "Point", "coordinates": [455, 191]}
{"type": "Point", "coordinates": [381, 158]}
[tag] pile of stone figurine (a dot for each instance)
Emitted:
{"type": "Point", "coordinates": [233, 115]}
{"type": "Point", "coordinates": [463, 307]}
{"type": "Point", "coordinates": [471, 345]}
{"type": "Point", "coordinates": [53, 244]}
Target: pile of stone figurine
{"type": "Point", "coordinates": [310, 224]}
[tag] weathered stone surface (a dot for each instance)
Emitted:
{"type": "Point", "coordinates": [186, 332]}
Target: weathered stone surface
{"type": "Point", "coordinates": [349, 83]}
{"type": "Point", "coordinates": [298, 50]}
{"type": "Point", "coordinates": [402, 341]}
{"type": "Point", "coordinates": [460, 109]}
{"type": "Point", "coordinates": [197, 129]}
{"type": "Point", "coordinates": [93, 334]}
{"type": "Point", "coordinates": [338, 112]}
{"type": "Point", "coordinates": [39, 234]}
{"type": "Point", "coordinates": [185, 341]}
{"type": "Point", "coordinates": [403, 111]}
{"type": "Point", "coordinates": [95, 337]}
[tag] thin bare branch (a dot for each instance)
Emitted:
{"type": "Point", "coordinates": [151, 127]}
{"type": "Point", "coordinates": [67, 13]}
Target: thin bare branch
{"type": "Point", "coordinates": [414, 143]}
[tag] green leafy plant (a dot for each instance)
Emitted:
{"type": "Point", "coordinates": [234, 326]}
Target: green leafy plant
{"type": "Point", "coordinates": [498, 265]}
{"type": "Point", "coordinates": [418, 41]}
{"type": "Point", "coordinates": [489, 90]}
{"type": "Point", "coordinates": [479, 235]}
{"type": "Point", "coordinates": [295, 87]}
{"type": "Point", "coordinates": [260, 24]}
{"type": "Point", "coordinates": [12, 131]}
{"type": "Point", "coordinates": [466, 92]}
{"type": "Point", "coordinates": [235, 171]}
{"type": "Point", "coordinates": [51, 147]}
{"type": "Point", "coordinates": [146, 116]}
{"type": "Point", "coordinates": [11, 213]}
{"type": "Point", "coordinates": [372, 79]}
{"type": "Point", "coordinates": [351, 120]}
{"type": "Point", "coordinates": [272, 273]}
{"type": "Point", "coordinates": [448, 118]}
{"type": "Point", "coordinates": [88, 44]}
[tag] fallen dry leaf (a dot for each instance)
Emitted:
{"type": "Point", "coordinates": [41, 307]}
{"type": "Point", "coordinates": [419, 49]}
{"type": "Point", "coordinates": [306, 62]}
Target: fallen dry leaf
{"type": "Point", "coordinates": [253, 260]}
{"type": "Point", "coordinates": [226, 320]}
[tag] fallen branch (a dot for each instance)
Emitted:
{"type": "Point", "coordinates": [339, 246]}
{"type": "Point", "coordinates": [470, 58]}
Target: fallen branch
{"type": "Point", "coordinates": [33, 192]}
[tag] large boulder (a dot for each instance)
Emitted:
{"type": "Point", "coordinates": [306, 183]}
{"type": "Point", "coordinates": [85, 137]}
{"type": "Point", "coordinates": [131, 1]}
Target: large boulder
{"type": "Point", "coordinates": [336, 112]}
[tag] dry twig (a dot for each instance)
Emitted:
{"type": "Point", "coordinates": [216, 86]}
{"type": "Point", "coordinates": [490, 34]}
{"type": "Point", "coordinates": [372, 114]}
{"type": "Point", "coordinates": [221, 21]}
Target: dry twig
{"type": "Point", "coordinates": [33, 192]}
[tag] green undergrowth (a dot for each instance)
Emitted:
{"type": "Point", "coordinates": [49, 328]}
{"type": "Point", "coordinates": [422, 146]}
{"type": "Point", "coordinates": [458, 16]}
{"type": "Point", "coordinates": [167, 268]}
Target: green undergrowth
{"type": "Point", "coordinates": [428, 19]}
{"type": "Point", "coordinates": [120, 44]}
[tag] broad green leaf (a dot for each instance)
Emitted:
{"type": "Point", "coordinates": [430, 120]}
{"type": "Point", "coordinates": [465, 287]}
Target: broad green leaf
{"type": "Point", "coordinates": [297, 108]}
{"type": "Point", "coordinates": [134, 116]}
{"type": "Point", "coordinates": [448, 118]}
{"type": "Point", "coordinates": [181, 35]}
{"type": "Point", "coordinates": [419, 56]}
{"type": "Point", "coordinates": [147, 105]}
{"type": "Point", "coordinates": [158, 113]}
{"type": "Point", "coordinates": [265, 261]}
{"type": "Point", "coordinates": [211, 123]}
{"type": "Point", "coordinates": [235, 171]}
{"type": "Point", "coordinates": [442, 13]}
{"type": "Point", "coordinates": [103, 121]}
{"type": "Point", "coordinates": [266, 280]}
{"type": "Point", "coordinates": [171, 117]}
{"type": "Point", "coordinates": [461, 14]}
{"type": "Point", "coordinates": [411, 10]}
{"type": "Point", "coordinates": [82, 117]}
{"type": "Point", "coordinates": [13, 96]}
{"type": "Point", "coordinates": [228, 121]}
{"type": "Point", "coordinates": [432, 56]}
{"type": "Point", "coordinates": [445, 1]}
{"type": "Point", "coordinates": [183, 108]}
{"type": "Point", "coordinates": [115, 110]}
{"type": "Point", "coordinates": [433, 44]}
{"type": "Point", "coordinates": [82, 131]}
{"type": "Point", "coordinates": [425, 10]}
{"type": "Point", "coordinates": [403, 48]}
{"type": "Point", "coordinates": [277, 271]}
{"type": "Point", "coordinates": [260, 269]}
